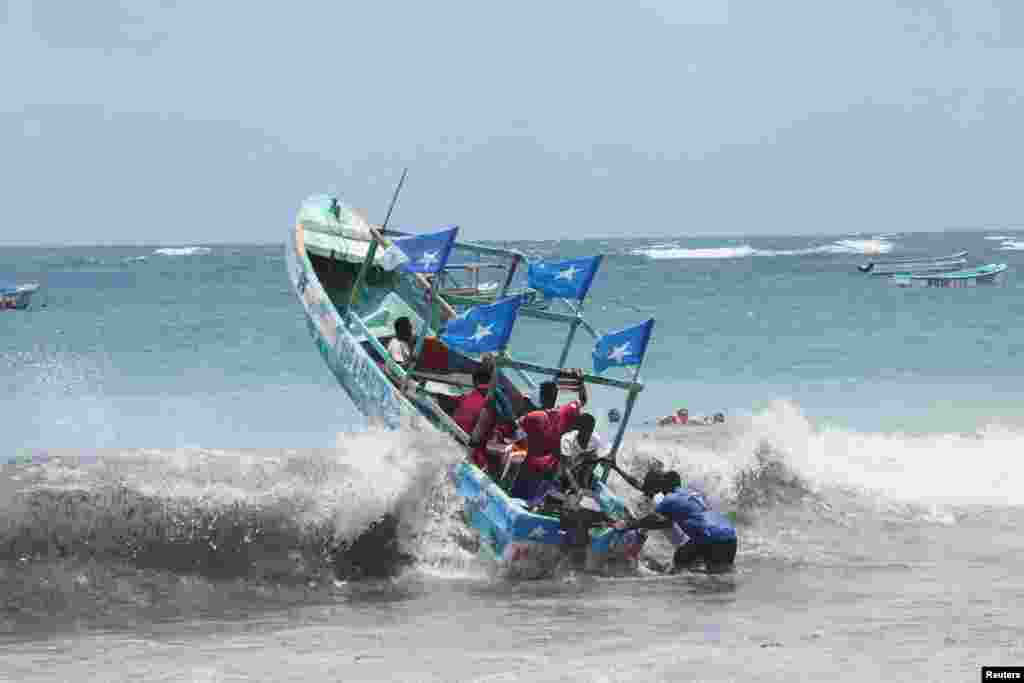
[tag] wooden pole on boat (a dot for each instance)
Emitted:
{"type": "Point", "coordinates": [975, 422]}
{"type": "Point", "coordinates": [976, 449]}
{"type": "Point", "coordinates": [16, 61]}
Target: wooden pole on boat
{"type": "Point", "coordinates": [630, 402]}
{"type": "Point", "coordinates": [371, 253]}
{"type": "Point", "coordinates": [394, 198]}
{"type": "Point", "coordinates": [508, 362]}
{"type": "Point", "coordinates": [568, 341]}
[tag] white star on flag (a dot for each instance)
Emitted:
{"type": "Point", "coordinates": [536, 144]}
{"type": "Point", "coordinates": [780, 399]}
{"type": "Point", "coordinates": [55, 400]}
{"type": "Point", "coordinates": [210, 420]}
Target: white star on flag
{"type": "Point", "coordinates": [428, 258]}
{"type": "Point", "coordinates": [482, 331]}
{"type": "Point", "coordinates": [567, 274]}
{"type": "Point", "coordinates": [618, 353]}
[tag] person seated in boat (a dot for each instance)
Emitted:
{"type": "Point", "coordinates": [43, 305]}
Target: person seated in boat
{"type": "Point", "coordinates": [401, 345]}
{"type": "Point", "coordinates": [544, 429]}
{"type": "Point", "coordinates": [580, 444]}
{"type": "Point", "coordinates": [581, 441]}
{"type": "Point", "coordinates": [710, 536]}
{"type": "Point", "coordinates": [478, 420]}
{"type": "Point", "coordinates": [472, 403]}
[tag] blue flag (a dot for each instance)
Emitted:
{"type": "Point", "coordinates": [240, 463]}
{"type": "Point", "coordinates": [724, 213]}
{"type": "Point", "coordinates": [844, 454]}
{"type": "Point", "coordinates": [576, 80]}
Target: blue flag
{"type": "Point", "coordinates": [625, 347]}
{"type": "Point", "coordinates": [569, 279]}
{"type": "Point", "coordinates": [426, 253]}
{"type": "Point", "coordinates": [483, 328]}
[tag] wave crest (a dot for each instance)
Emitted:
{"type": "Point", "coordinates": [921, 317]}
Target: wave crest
{"type": "Point", "coordinates": [847, 246]}
{"type": "Point", "coordinates": [350, 511]}
{"type": "Point", "coordinates": [182, 251]}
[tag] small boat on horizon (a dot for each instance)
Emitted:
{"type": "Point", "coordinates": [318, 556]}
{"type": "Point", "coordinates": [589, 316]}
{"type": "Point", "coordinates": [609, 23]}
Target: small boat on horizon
{"type": "Point", "coordinates": [970, 277]}
{"type": "Point", "coordinates": [17, 297]}
{"type": "Point", "coordinates": [915, 264]}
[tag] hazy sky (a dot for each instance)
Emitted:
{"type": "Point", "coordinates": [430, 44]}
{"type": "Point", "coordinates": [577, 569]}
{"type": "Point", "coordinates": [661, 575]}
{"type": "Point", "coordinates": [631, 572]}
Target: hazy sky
{"type": "Point", "coordinates": [185, 122]}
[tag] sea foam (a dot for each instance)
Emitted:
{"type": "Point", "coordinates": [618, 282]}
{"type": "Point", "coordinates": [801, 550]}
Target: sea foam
{"type": "Point", "coordinates": [846, 246]}
{"type": "Point", "coordinates": [182, 251]}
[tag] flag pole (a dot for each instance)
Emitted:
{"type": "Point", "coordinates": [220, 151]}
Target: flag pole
{"type": "Point", "coordinates": [568, 342]}
{"type": "Point", "coordinates": [371, 253]}
{"type": "Point", "coordinates": [630, 402]}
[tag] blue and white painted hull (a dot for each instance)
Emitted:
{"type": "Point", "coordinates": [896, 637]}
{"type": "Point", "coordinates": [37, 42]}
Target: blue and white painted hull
{"type": "Point", "coordinates": [531, 544]}
{"type": "Point", "coordinates": [525, 543]}
{"type": "Point", "coordinates": [366, 384]}
{"type": "Point", "coordinates": [989, 274]}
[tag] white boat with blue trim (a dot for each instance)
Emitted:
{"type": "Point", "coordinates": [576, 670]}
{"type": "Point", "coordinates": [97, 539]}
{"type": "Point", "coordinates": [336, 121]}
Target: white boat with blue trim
{"type": "Point", "coordinates": [355, 279]}
{"type": "Point", "coordinates": [915, 264]}
{"type": "Point", "coordinates": [988, 274]}
{"type": "Point", "coordinates": [17, 297]}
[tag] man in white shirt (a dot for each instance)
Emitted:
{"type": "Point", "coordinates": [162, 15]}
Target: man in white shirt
{"type": "Point", "coordinates": [580, 443]}
{"type": "Point", "coordinates": [400, 346]}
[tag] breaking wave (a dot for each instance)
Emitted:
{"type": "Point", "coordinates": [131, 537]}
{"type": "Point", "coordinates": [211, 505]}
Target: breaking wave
{"type": "Point", "coordinates": [82, 531]}
{"type": "Point", "coordinates": [870, 247]}
{"type": "Point", "coordinates": [949, 469]}
{"type": "Point", "coordinates": [798, 490]}
{"type": "Point", "coordinates": [182, 251]}
{"type": "Point", "coordinates": [671, 252]}
{"type": "Point", "coordinates": [381, 500]}
{"type": "Point", "coordinates": [999, 238]}
{"type": "Point", "coordinates": [1010, 245]}
{"type": "Point", "coordinates": [846, 246]}
{"type": "Point", "coordinates": [279, 516]}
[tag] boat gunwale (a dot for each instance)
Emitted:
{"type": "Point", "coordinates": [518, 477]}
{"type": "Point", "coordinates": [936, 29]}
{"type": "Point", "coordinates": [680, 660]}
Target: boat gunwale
{"type": "Point", "coordinates": [308, 280]}
{"type": "Point", "coordinates": [987, 270]}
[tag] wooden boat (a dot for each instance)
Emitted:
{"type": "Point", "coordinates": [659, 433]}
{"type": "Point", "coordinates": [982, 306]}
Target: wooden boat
{"type": "Point", "coordinates": [915, 264]}
{"type": "Point", "coordinates": [970, 277]}
{"type": "Point", "coordinates": [17, 296]}
{"type": "Point", "coordinates": [337, 264]}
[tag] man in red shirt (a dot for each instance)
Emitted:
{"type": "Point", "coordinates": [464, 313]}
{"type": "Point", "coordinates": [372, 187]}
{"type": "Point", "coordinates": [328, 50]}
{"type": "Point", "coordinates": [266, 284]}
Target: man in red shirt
{"type": "Point", "coordinates": [471, 409]}
{"type": "Point", "coordinates": [544, 429]}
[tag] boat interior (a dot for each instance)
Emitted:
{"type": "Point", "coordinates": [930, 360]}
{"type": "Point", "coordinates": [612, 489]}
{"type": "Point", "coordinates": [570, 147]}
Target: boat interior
{"type": "Point", "coordinates": [442, 374]}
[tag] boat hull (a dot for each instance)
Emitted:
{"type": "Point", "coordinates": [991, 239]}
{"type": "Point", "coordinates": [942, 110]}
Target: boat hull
{"type": "Point", "coordinates": [985, 275]}
{"type": "Point", "coordinates": [530, 545]}
{"type": "Point", "coordinates": [916, 265]}
{"type": "Point", "coordinates": [371, 391]}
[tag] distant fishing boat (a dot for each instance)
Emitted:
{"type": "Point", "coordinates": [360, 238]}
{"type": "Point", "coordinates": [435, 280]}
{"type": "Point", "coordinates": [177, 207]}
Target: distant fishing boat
{"type": "Point", "coordinates": [970, 277]}
{"type": "Point", "coordinates": [17, 296]}
{"type": "Point", "coordinates": [915, 264]}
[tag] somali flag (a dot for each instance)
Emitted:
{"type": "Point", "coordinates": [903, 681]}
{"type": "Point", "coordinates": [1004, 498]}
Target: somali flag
{"type": "Point", "coordinates": [483, 328]}
{"type": "Point", "coordinates": [422, 253]}
{"type": "Point", "coordinates": [625, 347]}
{"type": "Point", "coordinates": [568, 279]}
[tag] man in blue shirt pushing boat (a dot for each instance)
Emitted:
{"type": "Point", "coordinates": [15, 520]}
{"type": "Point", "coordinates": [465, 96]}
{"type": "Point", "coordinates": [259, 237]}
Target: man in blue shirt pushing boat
{"type": "Point", "coordinates": [710, 536]}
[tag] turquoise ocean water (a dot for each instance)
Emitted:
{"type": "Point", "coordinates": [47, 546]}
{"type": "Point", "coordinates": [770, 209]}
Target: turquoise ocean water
{"type": "Point", "coordinates": [205, 346]}
{"type": "Point", "coordinates": [178, 466]}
